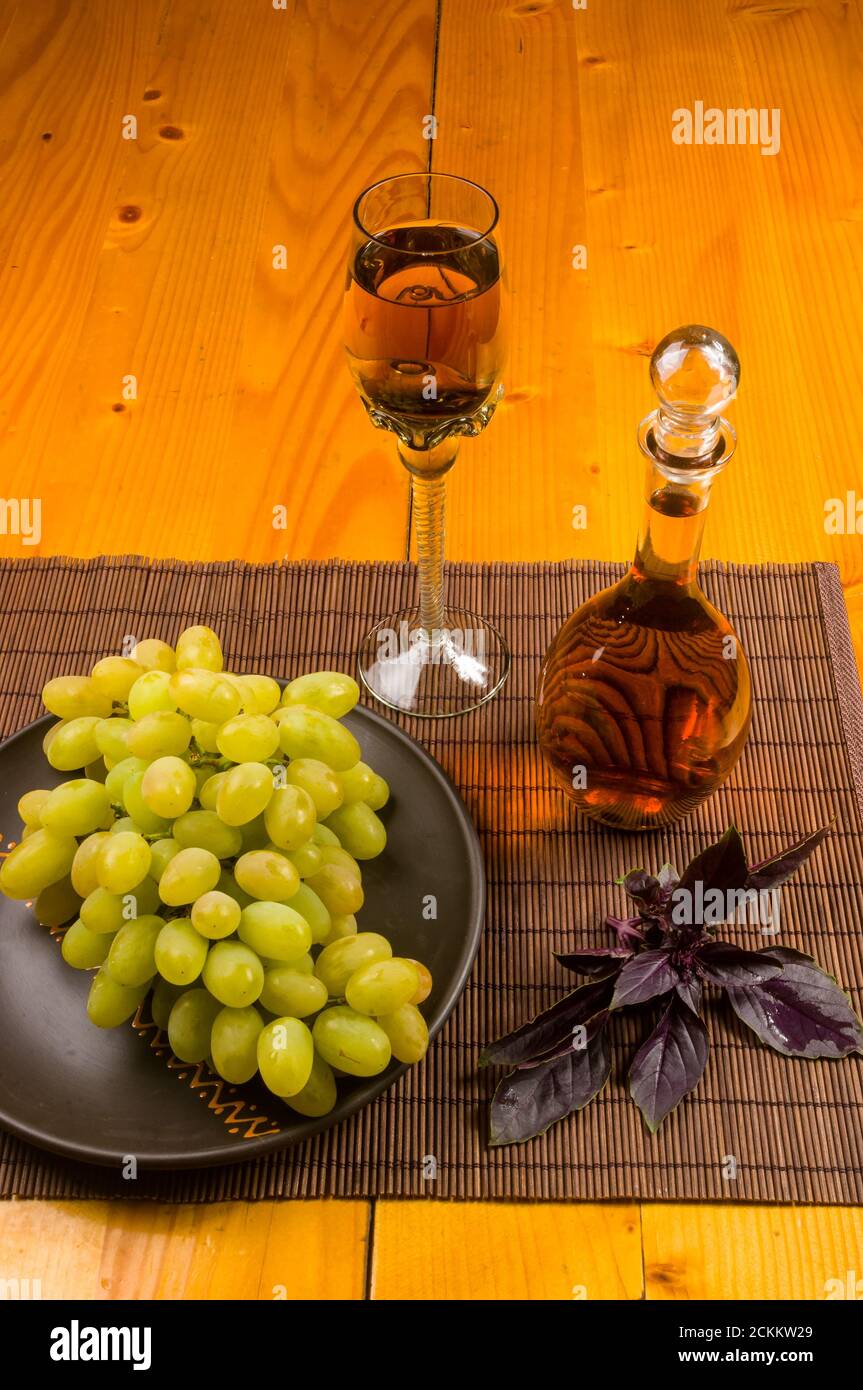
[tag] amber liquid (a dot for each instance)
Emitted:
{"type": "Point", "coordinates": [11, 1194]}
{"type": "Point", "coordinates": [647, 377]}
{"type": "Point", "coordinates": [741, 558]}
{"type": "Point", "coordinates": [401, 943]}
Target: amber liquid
{"type": "Point", "coordinates": [422, 322]}
{"type": "Point", "coordinates": [644, 698]}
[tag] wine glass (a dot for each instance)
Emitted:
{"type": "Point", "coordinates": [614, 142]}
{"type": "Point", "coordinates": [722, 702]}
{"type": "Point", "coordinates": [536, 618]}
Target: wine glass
{"type": "Point", "coordinates": [424, 337]}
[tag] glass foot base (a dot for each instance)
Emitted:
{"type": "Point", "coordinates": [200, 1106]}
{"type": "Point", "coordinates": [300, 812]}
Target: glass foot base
{"type": "Point", "coordinates": [437, 674]}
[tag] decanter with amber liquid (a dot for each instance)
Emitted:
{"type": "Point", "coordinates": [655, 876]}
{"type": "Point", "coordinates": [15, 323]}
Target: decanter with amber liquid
{"type": "Point", "coordinates": [644, 699]}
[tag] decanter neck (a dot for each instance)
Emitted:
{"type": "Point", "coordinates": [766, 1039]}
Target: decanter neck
{"type": "Point", "coordinates": [672, 528]}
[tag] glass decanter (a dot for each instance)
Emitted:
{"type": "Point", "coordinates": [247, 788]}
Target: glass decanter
{"type": "Point", "coordinates": [644, 699]}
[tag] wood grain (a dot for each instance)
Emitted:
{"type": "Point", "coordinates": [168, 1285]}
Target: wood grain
{"type": "Point", "coordinates": [742, 1252]}
{"type": "Point", "coordinates": [115, 1250]}
{"type": "Point", "coordinates": [475, 1250]}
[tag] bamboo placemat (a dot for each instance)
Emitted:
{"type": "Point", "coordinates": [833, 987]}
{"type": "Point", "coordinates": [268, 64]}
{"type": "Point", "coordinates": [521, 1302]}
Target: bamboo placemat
{"type": "Point", "coordinates": [793, 1128]}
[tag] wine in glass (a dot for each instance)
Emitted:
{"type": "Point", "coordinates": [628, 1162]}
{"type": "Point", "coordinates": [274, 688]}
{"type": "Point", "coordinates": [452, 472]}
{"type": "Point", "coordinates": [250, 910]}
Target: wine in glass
{"type": "Point", "coordinates": [424, 337]}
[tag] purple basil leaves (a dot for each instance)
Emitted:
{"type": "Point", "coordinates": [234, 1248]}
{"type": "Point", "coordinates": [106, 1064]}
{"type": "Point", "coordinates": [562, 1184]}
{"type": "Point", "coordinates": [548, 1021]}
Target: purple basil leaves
{"type": "Point", "coordinates": [661, 961]}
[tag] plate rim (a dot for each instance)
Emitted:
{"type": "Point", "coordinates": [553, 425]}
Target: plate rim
{"type": "Point", "coordinates": [226, 1153]}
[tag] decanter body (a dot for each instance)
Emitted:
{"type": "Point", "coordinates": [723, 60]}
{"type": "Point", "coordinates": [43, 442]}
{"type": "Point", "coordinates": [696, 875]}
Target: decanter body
{"type": "Point", "coordinates": [644, 698]}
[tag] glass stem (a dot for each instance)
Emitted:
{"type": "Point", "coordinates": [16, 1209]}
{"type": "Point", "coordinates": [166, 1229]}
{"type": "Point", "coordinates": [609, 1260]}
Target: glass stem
{"type": "Point", "coordinates": [428, 469]}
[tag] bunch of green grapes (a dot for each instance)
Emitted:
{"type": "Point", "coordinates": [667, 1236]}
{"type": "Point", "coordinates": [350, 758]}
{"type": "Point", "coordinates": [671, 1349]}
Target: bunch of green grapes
{"type": "Point", "coordinates": [211, 852]}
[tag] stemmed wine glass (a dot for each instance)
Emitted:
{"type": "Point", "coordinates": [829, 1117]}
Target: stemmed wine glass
{"type": "Point", "coordinates": [424, 337]}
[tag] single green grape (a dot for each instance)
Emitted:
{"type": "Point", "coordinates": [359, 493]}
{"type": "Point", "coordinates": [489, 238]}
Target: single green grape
{"type": "Point", "coordinates": [114, 677]}
{"type": "Point", "coordinates": [234, 1043]}
{"type": "Point", "coordinates": [151, 694]}
{"type": "Point", "coordinates": [187, 876]}
{"type": "Point", "coordinates": [136, 806]}
{"type": "Point", "coordinates": [306, 902]}
{"type": "Point", "coordinates": [106, 912]}
{"type": "Point", "coordinates": [332, 854]}
{"type": "Point", "coordinates": [307, 860]}
{"type": "Point", "coordinates": [58, 903]}
{"type": "Point", "coordinates": [292, 992]}
{"type": "Point", "coordinates": [382, 986]}
{"type": "Point", "coordinates": [275, 930]}
{"type": "Point", "coordinates": [120, 774]}
{"type": "Point", "coordinates": [380, 794]}
{"type": "Point", "coordinates": [204, 830]}
{"type": "Point", "coordinates": [72, 744]}
{"type": "Point", "coordinates": [180, 952]}
{"type": "Point", "coordinates": [216, 915]}
{"type": "Point", "coordinates": [343, 926]}
{"type": "Point", "coordinates": [131, 957]}
{"type": "Point", "coordinates": [351, 1042]}
{"type": "Point", "coordinates": [309, 733]}
{"type": "Point", "coordinates": [37, 862]}
{"type": "Point", "coordinates": [266, 874]}
{"type": "Point", "coordinates": [290, 817]}
{"type": "Point", "coordinates": [127, 823]}
{"type": "Point", "coordinates": [244, 792]}
{"type": "Point", "coordinates": [154, 655]}
{"type": "Point", "coordinates": [160, 735]}
{"type": "Point", "coordinates": [190, 1025]}
{"type": "Point", "coordinates": [285, 1056]}
{"type": "Point", "coordinates": [161, 854]}
{"type": "Point", "coordinates": [319, 1095]}
{"type": "Point", "coordinates": [164, 997]}
{"type": "Point", "coordinates": [30, 807]}
{"type": "Point", "coordinates": [424, 988]}
{"type": "Point", "coordinates": [408, 1034]}
{"type": "Point", "coordinates": [325, 838]}
{"type": "Point", "coordinates": [337, 963]}
{"type": "Point", "coordinates": [330, 691]}
{"type": "Point", "coordinates": [259, 694]}
{"type": "Point", "coordinates": [357, 783]}
{"type": "Point", "coordinates": [168, 787]}
{"type": "Point", "coordinates": [202, 774]}
{"type": "Point", "coordinates": [248, 738]}
{"type": "Point", "coordinates": [233, 974]}
{"type": "Point", "coordinates": [210, 791]}
{"type": "Point", "coordinates": [360, 831]}
{"type": "Point", "coordinates": [199, 648]}
{"type": "Point", "coordinates": [205, 695]}
{"type": "Point", "coordinates": [204, 733]}
{"type": "Point", "coordinates": [76, 808]}
{"type": "Point", "coordinates": [82, 949]}
{"type": "Point", "coordinates": [122, 861]}
{"type": "Point", "coordinates": [71, 697]}
{"type": "Point", "coordinates": [111, 737]}
{"type": "Point", "coordinates": [110, 1004]}
{"type": "Point", "coordinates": [338, 888]}
{"type": "Point", "coordinates": [319, 781]}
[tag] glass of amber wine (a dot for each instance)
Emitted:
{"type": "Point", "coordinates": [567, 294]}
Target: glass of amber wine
{"type": "Point", "coordinates": [424, 337]}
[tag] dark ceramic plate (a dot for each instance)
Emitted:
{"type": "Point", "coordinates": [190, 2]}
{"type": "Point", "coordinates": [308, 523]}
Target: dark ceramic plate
{"type": "Point", "coordinates": [100, 1095]}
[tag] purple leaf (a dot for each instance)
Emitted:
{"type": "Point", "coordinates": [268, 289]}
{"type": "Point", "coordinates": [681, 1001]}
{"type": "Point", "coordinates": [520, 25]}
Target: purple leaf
{"type": "Point", "coordinates": [669, 1064]}
{"type": "Point", "coordinates": [647, 976]}
{"type": "Point", "coordinates": [626, 929]}
{"type": "Point", "coordinates": [688, 988]}
{"type": "Point", "coordinates": [526, 1102]}
{"type": "Point", "coordinates": [773, 872]}
{"type": "Point", "coordinates": [602, 961]}
{"type": "Point", "coordinates": [732, 967]}
{"type": "Point", "coordinates": [668, 879]}
{"type": "Point", "coordinates": [722, 865]}
{"type": "Point", "coordinates": [643, 887]}
{"type": "Point", "coordinates": [802, 1012]}
{"type": "Point", "coordinates": [550, 1028]}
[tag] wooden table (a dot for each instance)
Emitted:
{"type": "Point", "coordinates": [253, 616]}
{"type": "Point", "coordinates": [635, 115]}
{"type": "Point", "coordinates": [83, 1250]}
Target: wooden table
{"type": "Point", "coordinates": [164, 385]}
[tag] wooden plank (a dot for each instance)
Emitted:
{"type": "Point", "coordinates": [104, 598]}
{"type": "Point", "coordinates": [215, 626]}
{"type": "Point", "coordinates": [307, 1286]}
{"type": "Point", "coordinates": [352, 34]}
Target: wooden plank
{"type": "Point", "coordinates": [741, 1252]}
{"type": "Point", "coordinates": [475, 1250]}
{"type": "Point", "coordinates": [140, 1250]}
{"type": "Point", "coordinates": [157, 262]}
